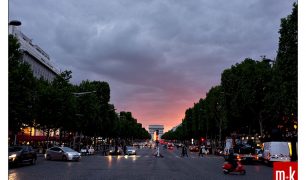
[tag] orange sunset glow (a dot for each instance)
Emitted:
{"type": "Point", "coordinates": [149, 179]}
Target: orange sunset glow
{"type": "Point", "coordinates": [167, 113]}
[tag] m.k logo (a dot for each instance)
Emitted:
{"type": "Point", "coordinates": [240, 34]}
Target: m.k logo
{"type": "Point", "coordinates": [285, 171]}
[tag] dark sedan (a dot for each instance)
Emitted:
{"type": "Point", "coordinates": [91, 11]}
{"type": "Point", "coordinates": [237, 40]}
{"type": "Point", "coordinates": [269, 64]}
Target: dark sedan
{"type": "Point", "coordinates": [21, 154]}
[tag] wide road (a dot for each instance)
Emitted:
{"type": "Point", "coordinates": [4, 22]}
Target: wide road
{"type": "Point", "coordinates": [142, 166]}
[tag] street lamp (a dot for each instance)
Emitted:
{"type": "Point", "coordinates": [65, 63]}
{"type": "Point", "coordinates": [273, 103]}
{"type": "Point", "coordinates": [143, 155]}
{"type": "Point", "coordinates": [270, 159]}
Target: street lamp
{"type": "Point", "coordinates": [12, 26]}
{"type": "Point", "coordinates": [15, 23]}
{"type": "Point", "coordinates": [82, 93]}
{"type": "Point", "coordinates": [269, 61]}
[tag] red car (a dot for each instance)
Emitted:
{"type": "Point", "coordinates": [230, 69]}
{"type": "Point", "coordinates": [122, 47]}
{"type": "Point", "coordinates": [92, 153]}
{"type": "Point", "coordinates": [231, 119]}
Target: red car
{"type": "Point", "coordinates": [170, 146]}
{"type": "Point", "coordinates": [194, 148]}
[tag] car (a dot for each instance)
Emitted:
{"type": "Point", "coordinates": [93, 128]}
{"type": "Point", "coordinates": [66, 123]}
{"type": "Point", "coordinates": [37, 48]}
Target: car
{"type": "Point", "coordinates": [170, 146]}
{"type": "Point", "coordinates": [276, 151]}
{"type": "Point", "coordinates": [62, 153]}
{"type": "Point", "coordinates": [91, 150]}
{"type": "Point", "coordinates": [245, 153]}
{"type": "Point", "coordinates": [21, 154]}
{"type": "Point", "coordinates": [87, 151]}
{"type": "Point", "coordinates": [194, 148]}
{"type": "Point", "coordinates": [259, 153]}
{"type": "Point", "coordinates": [113, 151]}
{"type": "Point", "coordinates": [178, 145]}
{"type": "Point", "coordinates": [83, 151]}
{"type": "Point", "coordinates": [218, 151]}
{"type": "Point", "coordinates": [130, 150]}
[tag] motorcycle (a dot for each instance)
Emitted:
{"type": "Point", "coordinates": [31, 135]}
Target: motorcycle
{"type": "Point", "coordinates": [227, 168]}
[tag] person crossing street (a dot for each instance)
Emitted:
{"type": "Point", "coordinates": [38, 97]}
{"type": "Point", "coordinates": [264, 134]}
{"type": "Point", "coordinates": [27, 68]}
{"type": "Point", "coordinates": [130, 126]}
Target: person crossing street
{"type": "Point", "coordinates": [184, 151]}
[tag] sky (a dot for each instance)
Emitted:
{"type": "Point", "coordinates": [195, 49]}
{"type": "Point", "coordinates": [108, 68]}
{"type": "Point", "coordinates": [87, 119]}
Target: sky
{"type": "Point", "coordinates": [158, 56]}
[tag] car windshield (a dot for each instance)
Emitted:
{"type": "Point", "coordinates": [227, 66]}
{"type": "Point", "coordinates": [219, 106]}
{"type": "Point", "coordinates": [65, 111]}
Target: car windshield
{"type": "Point", "coordinates": [244, 149]}
{"type": "Point", "coordinates": [67, 149]}
{"type": "Point", "coordinates": [14, 149]}
{"type": "Point", "coordinates": [130, 147]}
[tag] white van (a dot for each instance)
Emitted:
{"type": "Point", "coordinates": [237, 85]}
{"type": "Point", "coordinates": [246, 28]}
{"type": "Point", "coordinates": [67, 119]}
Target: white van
{"type": "Point", "coordinates": [276, 151]}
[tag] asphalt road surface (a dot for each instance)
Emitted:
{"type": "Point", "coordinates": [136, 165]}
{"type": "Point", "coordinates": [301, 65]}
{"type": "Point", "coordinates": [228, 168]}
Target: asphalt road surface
{"type": "Point", "coordinates": [141, 166]}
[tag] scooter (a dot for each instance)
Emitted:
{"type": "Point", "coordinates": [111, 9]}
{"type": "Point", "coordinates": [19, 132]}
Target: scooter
{"type": "Point", "coordinates": [227, 168]}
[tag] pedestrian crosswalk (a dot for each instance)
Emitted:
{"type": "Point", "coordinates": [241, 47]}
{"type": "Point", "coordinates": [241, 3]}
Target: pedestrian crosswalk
{"type": "Point", "coordinates": [164, 154]}
{"type": "Point", "coordinates": [168, 156]}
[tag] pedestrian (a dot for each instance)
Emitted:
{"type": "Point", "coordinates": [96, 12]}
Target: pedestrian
{"type": "Point", "coordinates": [206, 150]}
{"type": "Point", "coordinates": [200, 151]}
{"type": "Point", "coordinates": [124, 149]}
{"type": "Point", "coordinates": [183, 151]}
{"type": "Point", "coordinates": [104, 149]}
{"type": "Point", "coordinates": [186, 151]}
{"type": "Point", "coordinates": [116, 150]}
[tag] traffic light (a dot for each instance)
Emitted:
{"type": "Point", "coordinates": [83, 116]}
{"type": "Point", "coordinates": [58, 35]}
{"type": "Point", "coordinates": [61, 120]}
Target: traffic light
{"type": "Point", "coordinates": [202, 139]}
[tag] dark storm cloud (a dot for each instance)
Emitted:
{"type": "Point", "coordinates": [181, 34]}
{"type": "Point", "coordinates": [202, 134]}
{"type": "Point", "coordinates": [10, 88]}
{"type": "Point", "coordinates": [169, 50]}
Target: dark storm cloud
{"type": "Point", "coordinates": [152, 52]}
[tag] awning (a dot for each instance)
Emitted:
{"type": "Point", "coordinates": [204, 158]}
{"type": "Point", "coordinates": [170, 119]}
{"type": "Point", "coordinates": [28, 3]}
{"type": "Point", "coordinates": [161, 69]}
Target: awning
{"type": "Point", "coordinates": [37, 138]}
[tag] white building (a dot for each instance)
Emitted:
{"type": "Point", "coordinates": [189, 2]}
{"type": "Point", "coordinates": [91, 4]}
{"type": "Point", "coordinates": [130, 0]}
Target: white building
{"type": "Point", "coordinates": [152, 131]}
{"type": "Point", "coordinates": [32, 54]}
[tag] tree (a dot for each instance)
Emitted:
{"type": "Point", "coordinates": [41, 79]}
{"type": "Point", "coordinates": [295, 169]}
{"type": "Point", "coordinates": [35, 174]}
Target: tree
{"type": "Point", "coordinates": [285, 71]}
{"type": "Point", "coordinates": [89, 109]}
{"type": "Point", "coordinates": [65, 102]}
{"type": "Point", "coordinates": [285, 79]}
{"type": "Point", "coordinates": [21, 89]}
{"type": "Point", "coordinates": [214, 111]}
{"type": "Point", "coordinates": [244, 92]}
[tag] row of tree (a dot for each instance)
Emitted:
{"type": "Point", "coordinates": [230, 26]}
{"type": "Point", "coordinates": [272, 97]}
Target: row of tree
{"type": "Point", "coordinates": [254, 97]}
{"type": "Point", "coordinates": [77, 109]}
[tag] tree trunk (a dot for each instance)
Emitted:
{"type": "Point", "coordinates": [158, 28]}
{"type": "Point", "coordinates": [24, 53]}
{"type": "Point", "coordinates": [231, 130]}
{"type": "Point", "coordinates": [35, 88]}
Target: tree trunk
{"type": "Point", "coordinates": [60, 136]}
{"type": "Point", "coordinates": [48, 135]}
{"type": "Point", "coordinates": [95, 140]}
{"type": "Point", "coordinates": [260, 120]}
{"type": "Point", "coordinates": [15, 139]}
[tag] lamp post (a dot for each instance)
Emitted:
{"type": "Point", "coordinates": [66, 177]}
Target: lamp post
{"type": "Point", "coordinates": [269, 61]}
{"type": "Point", "coordinates": [12, 25]}
{"type": "Point", "coordinates": [15, 23]}
{"type": "Point", "coordinates": [83, 93]}
{"type": "Point", "coordinates": [79, 134]}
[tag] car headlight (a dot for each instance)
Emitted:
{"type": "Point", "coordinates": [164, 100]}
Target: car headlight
{"type": "Point", "coordinates": [12, 156]}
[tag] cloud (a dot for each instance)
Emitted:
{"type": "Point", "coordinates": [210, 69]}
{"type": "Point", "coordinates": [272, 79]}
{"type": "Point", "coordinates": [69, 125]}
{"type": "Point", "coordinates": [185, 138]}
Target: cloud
{"type": "Point", "coordinates": [158, 56]}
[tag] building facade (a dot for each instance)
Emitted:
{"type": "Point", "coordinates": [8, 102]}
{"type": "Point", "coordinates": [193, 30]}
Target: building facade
{"type": "Point", "coordinates": [41, 67]}
{"type": "Point", "coordinates": [153, 129]}
{"type": "Point", "coordinates": [32, 54]}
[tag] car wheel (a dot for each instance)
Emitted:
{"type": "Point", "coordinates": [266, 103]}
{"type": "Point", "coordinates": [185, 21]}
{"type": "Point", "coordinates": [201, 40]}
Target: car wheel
{"type": "Point", "coordinates": [14, 164]}
{"type": "Point", "coordinates": [64, 158]}
{"type": "Point", "coordinates": [48, 157]}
